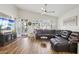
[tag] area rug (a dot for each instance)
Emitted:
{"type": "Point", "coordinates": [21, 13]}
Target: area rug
{"type": "Point", "coordinates": [43, 45]}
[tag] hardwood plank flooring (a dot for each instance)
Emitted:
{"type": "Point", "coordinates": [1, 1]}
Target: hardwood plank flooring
{"type": "Point", "coordinates": [28, 46]}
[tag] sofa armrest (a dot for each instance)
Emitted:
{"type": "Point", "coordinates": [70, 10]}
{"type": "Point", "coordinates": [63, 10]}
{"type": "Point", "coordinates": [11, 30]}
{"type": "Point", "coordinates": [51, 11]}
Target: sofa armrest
{"type": "Point", "coordinates": [73, 41]}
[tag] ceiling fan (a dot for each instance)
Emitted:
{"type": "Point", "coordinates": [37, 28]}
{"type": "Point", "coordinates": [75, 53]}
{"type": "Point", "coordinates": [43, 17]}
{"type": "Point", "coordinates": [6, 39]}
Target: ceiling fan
{"type": "Point", "coordinates": [45, 11]}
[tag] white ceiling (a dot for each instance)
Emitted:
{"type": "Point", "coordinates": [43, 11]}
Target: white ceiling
{"type": "Point", "coordinates": [59, 9]}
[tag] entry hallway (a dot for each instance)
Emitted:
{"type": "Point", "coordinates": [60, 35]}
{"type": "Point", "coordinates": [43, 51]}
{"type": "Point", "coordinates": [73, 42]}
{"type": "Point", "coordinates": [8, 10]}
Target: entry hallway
{"type": "Point", "coordinates": [28, 46]}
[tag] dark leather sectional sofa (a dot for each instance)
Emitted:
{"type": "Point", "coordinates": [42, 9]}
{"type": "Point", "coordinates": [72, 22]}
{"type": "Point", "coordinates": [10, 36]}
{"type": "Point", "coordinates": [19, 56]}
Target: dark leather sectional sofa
{"type": "Point", "coordinates": [44, 33]}
{"type": "Point", "coordinates": [61, 40]}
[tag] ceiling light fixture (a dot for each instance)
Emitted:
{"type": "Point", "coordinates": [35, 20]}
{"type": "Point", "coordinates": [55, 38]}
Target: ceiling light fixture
{"type": "Point", "coordinates": [45, 11]}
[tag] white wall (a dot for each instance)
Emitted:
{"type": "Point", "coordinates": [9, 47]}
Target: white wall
{"type": "Point", "coordinates": [73, 12]}
{"type": "Point", "coordinates": [8, 9]}
{"type": "Point", "coordinates": [31, 15]}
{"type": "Point", "coordinates": [25, 14]}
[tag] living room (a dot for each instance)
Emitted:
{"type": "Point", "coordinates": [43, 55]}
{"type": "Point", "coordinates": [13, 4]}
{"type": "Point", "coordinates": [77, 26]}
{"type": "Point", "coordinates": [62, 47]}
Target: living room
{"type": "Point", "coordinates": [39, 28]}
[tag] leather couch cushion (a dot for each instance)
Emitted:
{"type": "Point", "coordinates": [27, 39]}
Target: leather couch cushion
{"type": "Point", "coordinates": [74, 37]}
{"type": "Point", "coordinates": [65, 34]}
{"type": "Point", "coordinates": [59, 40]}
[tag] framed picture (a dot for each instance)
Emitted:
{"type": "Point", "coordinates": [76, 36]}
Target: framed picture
{"type": "Point", "coordinates": [71, 21]}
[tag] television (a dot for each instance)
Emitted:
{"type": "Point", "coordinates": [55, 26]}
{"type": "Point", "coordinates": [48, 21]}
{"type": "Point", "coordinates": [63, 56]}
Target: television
{"type": "Point", "coordinates": [11, 24]}
{"type": "Point", "coordinates": [7, 24]}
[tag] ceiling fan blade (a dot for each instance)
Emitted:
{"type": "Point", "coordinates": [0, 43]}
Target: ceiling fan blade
{"type": "Point", "coordinates": [42, 9]}
{"type": "Point", "coordinates": [50, 11]}
{"type": "Point", "coordinates": [43, 13]}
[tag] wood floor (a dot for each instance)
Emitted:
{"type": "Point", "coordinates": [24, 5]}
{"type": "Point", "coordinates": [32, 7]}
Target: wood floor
{"type": "Point", "coordinates": [28, 46]}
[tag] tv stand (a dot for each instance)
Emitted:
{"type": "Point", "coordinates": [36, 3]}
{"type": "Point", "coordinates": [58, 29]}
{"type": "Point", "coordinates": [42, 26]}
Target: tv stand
{"type": "Point", "coordinates": [7, 38]}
